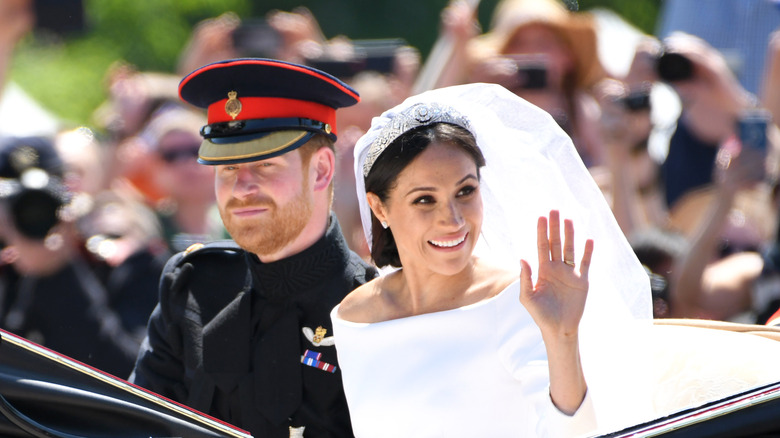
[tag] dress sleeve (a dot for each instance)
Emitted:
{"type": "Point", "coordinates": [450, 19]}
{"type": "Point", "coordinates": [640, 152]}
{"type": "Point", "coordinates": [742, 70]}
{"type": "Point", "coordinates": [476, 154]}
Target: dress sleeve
{"type": "Point", "coordinates": [554, 423]}
{"type": "Point", "coordinates": [524, 357]}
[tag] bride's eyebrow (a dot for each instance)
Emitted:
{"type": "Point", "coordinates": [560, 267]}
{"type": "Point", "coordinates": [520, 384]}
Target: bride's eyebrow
{"type": "Point", "coordinates": [466, 178]}
{"type": "Point", "coordinates": [430, 189]}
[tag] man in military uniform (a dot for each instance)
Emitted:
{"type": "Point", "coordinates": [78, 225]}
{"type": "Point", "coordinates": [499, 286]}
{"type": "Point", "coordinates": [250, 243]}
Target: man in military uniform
{"type": "Point", "coordinates": [242, 330]}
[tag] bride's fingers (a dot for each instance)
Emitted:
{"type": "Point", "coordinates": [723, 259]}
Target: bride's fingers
{"type": "Point", "coordinates": [568, 242]}
{"type": "Point", "coordinates": [555, 236]}
{"type": "Point", "coordinates": [542, 243]}
{"type": "Point", "coordinates": [526, 283]}
{"type": "Point", "coordinates": [586, 257]}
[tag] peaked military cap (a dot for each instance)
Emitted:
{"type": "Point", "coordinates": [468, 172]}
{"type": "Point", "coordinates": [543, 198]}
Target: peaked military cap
{"type": "Point", "coordinates": [261, 108]}
{"type": "Point", "coordinates": [18, 154]}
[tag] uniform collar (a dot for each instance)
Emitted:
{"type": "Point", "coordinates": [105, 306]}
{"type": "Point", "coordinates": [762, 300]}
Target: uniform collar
{"type": "Point", "coordinates": [290, 278]}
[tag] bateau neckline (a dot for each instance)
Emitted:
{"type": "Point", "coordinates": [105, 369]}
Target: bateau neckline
{"type": "Point", "coordinates": [337, 319]}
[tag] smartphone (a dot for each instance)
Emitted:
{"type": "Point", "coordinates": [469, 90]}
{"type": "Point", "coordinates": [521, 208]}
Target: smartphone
{"type": "Point", "coordinates": [751, 130]}
{"type": "Point", "coordinates": [256, 38]}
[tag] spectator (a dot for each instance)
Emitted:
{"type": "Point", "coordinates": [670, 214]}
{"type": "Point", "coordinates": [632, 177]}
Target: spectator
{"type": "Point", "coordinates": [710, 280]}
{"type": "Point", "coordinates": [124, 239]}
{"type": "Point", "coordinates": [84, 161]}
{"type": "Point", "coordinates": [712, 100]}
{"type": "Point", "coordinates": [630, 177]}
{"type": "Point", "coordinates": [187, 208]}
{"type": "Point", "coordinates": [738, 29]}
{"type": "Point", "coordinates": [717, 188]}
{"type": "Point", "coordinates": [133, 96]}
{"type": "Point", "coordinates": [56, 297]}
{"type": "Point", "coordinates": [547, 55]}
{"type": "Point", "coordinates": [120, 233]}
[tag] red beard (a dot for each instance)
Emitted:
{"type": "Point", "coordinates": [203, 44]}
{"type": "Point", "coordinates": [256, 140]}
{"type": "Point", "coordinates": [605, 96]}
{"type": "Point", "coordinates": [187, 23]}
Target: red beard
{"type": "Point", "coordinates": [277, 228]}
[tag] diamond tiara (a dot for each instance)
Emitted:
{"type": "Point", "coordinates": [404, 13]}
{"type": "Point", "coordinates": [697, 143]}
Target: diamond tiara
{"type": "Point", "coordinates": [420, 114]}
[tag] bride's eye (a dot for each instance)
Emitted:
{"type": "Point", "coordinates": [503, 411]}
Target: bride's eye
{"type": "Point", "coordinates": [467, 190]}
{"type": "Point", "coordinates": [427, 199]}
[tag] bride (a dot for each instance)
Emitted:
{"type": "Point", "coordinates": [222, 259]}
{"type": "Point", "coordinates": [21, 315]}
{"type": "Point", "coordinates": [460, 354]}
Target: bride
{"type": "Point", "coordinates": [454, 341]}
{"type": "Point", "coordinates": [493, 318]}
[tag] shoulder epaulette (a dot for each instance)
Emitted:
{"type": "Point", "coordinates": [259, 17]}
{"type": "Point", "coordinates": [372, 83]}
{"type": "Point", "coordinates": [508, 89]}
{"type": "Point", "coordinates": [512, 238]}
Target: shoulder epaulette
{"type": "Point", "coordinates": [201, 269]}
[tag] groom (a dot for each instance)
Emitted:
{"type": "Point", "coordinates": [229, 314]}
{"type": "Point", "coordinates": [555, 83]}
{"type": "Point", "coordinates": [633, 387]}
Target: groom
{"type": "Point", "coordinates": [242, 330]}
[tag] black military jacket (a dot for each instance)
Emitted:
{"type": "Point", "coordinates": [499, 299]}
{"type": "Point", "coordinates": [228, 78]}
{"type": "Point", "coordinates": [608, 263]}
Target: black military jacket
{"type": "Point", "coordinates": [251, 343]}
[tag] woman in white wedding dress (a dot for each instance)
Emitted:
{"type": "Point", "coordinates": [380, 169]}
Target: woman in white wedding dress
{"type": "Point", "coordinates": [480, 326]}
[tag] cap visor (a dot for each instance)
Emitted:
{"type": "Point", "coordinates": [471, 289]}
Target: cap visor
{"type": "Point", "coordinates": [270, 145]}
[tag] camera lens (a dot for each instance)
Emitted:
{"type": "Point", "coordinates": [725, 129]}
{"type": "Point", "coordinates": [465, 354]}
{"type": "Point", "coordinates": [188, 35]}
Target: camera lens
{"type": "Point", "coordinates": [34, 212]}
{"type": "Point", "coordinates": [674, 67]}
{"type": "Point", "coordinates": [637, 101]}
{"type": "Point", "coordinates": [532, 76]}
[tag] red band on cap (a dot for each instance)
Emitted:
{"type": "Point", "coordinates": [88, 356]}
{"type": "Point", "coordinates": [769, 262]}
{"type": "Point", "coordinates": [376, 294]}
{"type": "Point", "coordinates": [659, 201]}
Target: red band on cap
{"type": "Point", "coordinates": [273, 107]}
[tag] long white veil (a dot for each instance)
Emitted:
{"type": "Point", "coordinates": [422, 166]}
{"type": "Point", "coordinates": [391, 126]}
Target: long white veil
{"type": "Point", "coordinates": [533, 167]}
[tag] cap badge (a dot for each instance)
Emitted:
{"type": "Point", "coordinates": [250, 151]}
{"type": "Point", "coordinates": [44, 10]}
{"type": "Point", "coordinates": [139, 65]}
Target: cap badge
{"type": "Point", "coordinates": [23, 158]}
{"type": "Point", "coordinates": [319, 333]}
{"type": "Point", "coordinates": [233, 105]}
{"type": "Point", "coordinates": [317, 337]}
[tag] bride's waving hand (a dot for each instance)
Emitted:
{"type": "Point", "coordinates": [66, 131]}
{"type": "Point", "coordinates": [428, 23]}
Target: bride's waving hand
{"type": "Point", "coordinates": [556, 302]}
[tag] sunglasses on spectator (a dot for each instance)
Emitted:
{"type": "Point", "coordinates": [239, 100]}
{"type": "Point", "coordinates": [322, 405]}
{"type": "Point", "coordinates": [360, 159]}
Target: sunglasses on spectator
{"type": "Point", "coordinates": [179, 154]}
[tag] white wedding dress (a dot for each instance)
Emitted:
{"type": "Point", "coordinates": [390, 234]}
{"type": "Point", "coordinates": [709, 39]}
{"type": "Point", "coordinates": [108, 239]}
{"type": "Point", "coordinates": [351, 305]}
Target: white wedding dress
{"type": "Point", "coordinates": [475, 371]}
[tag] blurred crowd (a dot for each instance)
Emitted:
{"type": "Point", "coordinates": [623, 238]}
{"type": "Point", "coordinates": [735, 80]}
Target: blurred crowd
{"type": "Point", "coordinates": [676, 128]}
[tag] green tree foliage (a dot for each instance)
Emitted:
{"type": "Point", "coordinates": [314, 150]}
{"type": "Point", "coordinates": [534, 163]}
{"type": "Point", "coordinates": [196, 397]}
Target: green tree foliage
{"type": "Point", "coordinates": [640, 13]}
{"type": "Point", "coordinates": [67, 74]}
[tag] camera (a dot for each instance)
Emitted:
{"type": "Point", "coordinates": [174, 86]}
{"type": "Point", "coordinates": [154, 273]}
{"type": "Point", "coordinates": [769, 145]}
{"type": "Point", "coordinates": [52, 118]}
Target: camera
{"type": "Point", "coordinates": [368, 55]}
{"type": "Point", "coordinates": [531, 72]}
{"type": "Point", "coordinates": [256, 38]}
{"type": "Point", "coordinates": [672, 67]}
{"type": "Point", "coordinates": [532, 77]}
{"type": "Point", "coordinates": [34, 202]}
